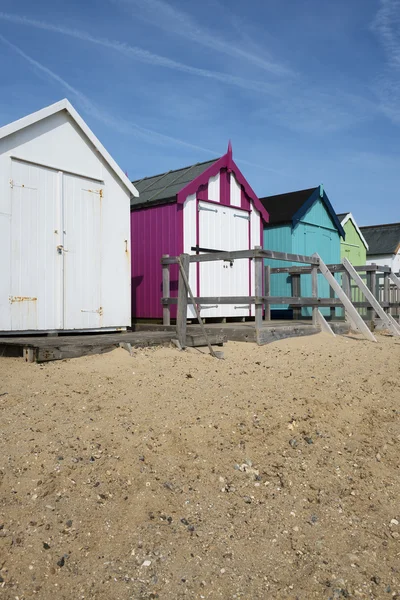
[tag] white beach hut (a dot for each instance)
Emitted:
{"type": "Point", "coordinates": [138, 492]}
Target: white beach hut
{"type": "Point", "coordinates": [64, 227]}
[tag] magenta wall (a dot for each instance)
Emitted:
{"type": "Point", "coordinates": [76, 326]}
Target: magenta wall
{"type": "Point", "coordinates": [154, 231]}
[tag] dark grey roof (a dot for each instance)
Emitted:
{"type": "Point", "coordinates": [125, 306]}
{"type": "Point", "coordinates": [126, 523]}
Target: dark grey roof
{"type": "Point", "coordinates": [341, 216]}
{"type": "Point", "coordinates": [162, 188]}
{"type": "Point", "coordinates": [282, 207]}
{"type": "Point", "coordinates": [382, 239]}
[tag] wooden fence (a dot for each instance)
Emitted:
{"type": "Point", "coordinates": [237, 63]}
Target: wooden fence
{"type": "Point", "coordinates": [382, 283]}
{"type": "Point", "coordinates": [262, 299]}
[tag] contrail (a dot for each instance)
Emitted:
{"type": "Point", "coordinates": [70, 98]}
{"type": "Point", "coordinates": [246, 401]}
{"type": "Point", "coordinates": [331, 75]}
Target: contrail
{"type": "Point", "coordinates": [119, 125]}
{"type": "Point", "coordinates": [140, 54]}
{"type": "Point", "coordinates": [170, 19]}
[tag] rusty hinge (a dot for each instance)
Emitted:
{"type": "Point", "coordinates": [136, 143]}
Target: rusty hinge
{"type": "Point", "coordinates": [99, 192]}
{"type": "Point", "coordinates": [13, 299]}
{"type": "Point", "coordinates": [98, 311]}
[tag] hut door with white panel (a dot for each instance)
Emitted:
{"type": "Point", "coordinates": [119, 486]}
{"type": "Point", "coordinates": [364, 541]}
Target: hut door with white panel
{"type": "Point", "coordinates": [36, 267]}
{"type": "Point", "coordinates": [82, 200]}
{"type": "Point", "coordinates": [227, 229]}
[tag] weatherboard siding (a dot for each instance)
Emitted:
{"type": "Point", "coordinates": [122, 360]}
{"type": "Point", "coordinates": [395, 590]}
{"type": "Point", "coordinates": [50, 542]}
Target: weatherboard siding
{"type": "Point", "coordinates": [353, 247]}
{"type": "Point", "coordinates": [236, 192]}
{"type": "Point", "coordinates": [154, 231]}
{"type": "Point", "coordinates": [231, 219]}
{"type": "Point", "coordinates": [319, 216]}
{"type": "Point", "coordinates": [279, 238]}
{"type": "Point", "coordinates": [214, 188]}
{"type": "Point", "coordinates": [315, 232]}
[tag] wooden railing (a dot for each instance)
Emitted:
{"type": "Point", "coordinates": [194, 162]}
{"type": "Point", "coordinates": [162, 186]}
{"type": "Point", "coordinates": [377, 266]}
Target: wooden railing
{"type": "Point", "coordinates": [262, 299]}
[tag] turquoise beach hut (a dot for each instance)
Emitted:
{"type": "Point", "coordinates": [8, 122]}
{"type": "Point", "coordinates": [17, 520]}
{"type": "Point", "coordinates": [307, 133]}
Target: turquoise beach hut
{"type": "Point", "coordinates": [301, 222]}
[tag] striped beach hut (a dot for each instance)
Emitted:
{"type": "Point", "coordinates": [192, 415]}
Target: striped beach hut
{"type": "Point", "coordinates": [205, 207]}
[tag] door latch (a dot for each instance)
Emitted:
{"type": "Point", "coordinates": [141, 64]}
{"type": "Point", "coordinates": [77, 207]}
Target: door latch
{"type": "Point", "coordinates": [60, 249]}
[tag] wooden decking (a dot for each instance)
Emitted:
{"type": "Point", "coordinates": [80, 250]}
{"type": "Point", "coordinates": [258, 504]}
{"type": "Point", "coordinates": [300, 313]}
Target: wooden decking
{"type": "Point", "coordinates": [44, 348]}
{"type": "Point", "coordinates": [246, 332]}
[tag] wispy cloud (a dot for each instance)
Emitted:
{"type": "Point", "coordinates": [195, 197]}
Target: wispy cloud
{"type": "Point", "coordinates": [315, 112]}
{"type": "Point", "coordinates": [386, 26]}
{"type": "Point", "coordinates": [173, 20]}
{"type": "Point", "coordinates": [119, 125]}
{"type": "Point", "coordinates": [140, 54]}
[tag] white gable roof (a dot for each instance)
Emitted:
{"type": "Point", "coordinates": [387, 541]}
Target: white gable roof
{"type": "Point", "coordinates": [349, 217]}
{"type": "Point", "coordinates": [67, 106]}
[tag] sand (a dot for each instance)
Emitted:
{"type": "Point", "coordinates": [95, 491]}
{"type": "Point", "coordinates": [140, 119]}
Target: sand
{"type": "Point", "coordinates": [271, 474]}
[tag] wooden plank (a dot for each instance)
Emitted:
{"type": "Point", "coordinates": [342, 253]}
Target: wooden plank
{"type": "Point", "coordinates": [350, 309]}
{"type": "Point", "coordinates": [70, 351]}
{"type": "Point", "coordinates": [266, 335]}
{"type": "Point", "coordinates": [166, 291]}
{"type": "Point", "coordinates": [314, 293]}
{"type": "Point", "coordinates": [311, 260]}
{"type": "Point", "coordinates": [181, 316]}
{"type": "Point", "coordinates": [29, 354]}
{"type": "Point", "coordinates": [297, 301]}
{"type": "Point", "coordinates": [258, 288]}
{"type": "Point", "coordinates": [296, 292]}
{"type": "Point", "coordinates": [198, 339]}
{"type": "Point", "coordinates": [323, 323]}
{"type": "Point", "coordinates": [238, 254]}
{"type": "Point", "coordinates": [369, 296]}
{"type": "Point", "coordinates": [395, 279]}
{"type": "Point", "coordinates": [267, 292]}
{"type": "Point", "coordinates": [334, 268]}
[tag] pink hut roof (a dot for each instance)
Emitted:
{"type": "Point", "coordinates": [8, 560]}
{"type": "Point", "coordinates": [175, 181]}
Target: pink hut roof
{"type": "Point", "coordinates": [176, 186]}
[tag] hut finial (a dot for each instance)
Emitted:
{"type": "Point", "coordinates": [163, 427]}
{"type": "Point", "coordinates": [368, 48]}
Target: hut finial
{"type": "Point", "coordinates": [230, 148]}
{"type": "Point", "coordinates": [321, 190]}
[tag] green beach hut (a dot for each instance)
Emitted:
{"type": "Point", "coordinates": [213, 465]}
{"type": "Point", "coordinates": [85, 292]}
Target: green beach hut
{"type": "Point", "coordinates": [354, 247]}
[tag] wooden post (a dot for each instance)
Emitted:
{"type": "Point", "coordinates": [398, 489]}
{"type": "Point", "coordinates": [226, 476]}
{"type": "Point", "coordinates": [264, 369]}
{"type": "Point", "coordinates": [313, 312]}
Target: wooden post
{"type": "Point", "coordinates": [374, 290]}
{"type": "Point", "coordinates": [370, 310]}
{"type": "Point", "coordinates": [314, 293]}
{"type": "Point", "coordinates": [166, 292]}
{"type": "Point", "coordinates": [181, 316]}
{"type": "Point", "coordinates": [332, 309]}
{"type": "Point", "coordinates": [296, 290]}
{"type": "Point", "coordinates": [346, 284]}
{"type": "Point", "coordinates": [267, 292]}
{"type": "Point", "coordinates": [258, 273]}
{"type": "Point", "coordinates": [396, 282]}
{"type": "Point", "coordinates": [386, 291]}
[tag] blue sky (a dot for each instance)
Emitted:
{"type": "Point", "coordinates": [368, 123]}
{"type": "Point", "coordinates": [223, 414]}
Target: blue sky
{"type": "Point", "coordinates": [308, 92]}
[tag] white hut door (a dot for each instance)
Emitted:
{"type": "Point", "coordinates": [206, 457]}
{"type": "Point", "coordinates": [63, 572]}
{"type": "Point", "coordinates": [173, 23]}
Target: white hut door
{"type": "Point", "coordinates": [227, 229]}
{"type": "Point", "coordinates": [82, 200]}
{"type": "Point", "coordinates": [36, 285]}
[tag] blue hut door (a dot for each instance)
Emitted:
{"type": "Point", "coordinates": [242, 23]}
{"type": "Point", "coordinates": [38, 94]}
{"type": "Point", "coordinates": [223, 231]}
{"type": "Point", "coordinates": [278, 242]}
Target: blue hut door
{"type": "Point", "coordinates": [314, 239]}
